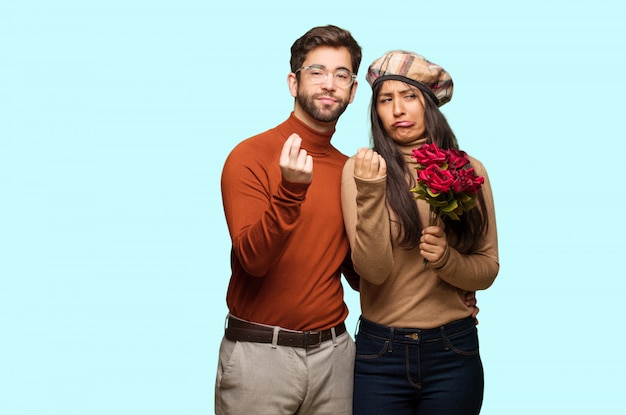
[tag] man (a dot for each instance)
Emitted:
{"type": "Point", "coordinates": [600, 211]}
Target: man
{"type": "Point", "coordinates": [286, 349]}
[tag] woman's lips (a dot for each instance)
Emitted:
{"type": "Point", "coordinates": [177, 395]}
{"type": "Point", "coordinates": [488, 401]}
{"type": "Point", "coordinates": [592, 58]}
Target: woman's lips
{"type": "Point", "coordinates": [403, 124]}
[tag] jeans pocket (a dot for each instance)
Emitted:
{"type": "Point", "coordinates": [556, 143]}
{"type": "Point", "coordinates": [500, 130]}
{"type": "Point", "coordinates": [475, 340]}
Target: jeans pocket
{"type": "Point", "coordinates": [370, 347]}
{"type": "Point", "coordinates": [464, 342]}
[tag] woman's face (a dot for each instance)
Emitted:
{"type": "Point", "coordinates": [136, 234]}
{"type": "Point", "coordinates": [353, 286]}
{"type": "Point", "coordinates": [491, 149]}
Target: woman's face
{"type": "Point", "coordinates": [400, 107]}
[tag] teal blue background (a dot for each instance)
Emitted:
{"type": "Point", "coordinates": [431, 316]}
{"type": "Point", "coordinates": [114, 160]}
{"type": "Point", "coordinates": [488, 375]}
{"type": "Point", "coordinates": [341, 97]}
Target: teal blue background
{"type": "Point", "coordinates": [116, 117]}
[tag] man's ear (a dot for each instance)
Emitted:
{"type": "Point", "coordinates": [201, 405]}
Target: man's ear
{"type": "Point", "coordinates": [292, 82]}
{"type": "Point", "coordinates": [353, 92]}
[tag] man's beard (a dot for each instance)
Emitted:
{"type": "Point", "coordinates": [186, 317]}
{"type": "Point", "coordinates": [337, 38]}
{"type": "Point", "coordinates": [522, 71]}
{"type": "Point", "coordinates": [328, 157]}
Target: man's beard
{"type": "Point", "coordinates": [307, 102]}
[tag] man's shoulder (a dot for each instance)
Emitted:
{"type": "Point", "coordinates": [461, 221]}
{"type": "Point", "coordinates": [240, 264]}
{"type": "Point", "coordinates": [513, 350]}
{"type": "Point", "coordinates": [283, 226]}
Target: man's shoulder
{"type": "Point", "coordinates": [258, 154]}
{"type": "Point", "coordinates": [262, 143]}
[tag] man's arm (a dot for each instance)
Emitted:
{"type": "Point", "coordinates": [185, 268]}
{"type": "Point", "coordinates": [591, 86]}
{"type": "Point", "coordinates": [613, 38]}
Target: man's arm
{"type": "Point", "coordinates": [260, 223]}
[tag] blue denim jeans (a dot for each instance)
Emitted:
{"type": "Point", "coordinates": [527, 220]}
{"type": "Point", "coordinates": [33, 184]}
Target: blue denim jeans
{"type": "Point", "coordinates": [411, 371]}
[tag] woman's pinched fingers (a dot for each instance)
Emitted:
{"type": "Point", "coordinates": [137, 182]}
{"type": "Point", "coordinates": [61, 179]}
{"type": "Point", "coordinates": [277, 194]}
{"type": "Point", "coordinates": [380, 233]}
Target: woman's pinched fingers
{"type": "Point", "coordinates": [369, 164]}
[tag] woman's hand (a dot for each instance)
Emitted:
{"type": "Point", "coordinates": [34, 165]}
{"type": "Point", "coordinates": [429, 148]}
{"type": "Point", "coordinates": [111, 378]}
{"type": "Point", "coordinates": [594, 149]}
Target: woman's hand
{"type": "Point", "coordinates": [433, 243]}
{"type": "Point", "coordinates": [369, 164]}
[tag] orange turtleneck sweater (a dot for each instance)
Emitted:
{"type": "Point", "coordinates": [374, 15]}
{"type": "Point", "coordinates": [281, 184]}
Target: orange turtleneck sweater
{"type": "Point", "coordinates": [289, 240]}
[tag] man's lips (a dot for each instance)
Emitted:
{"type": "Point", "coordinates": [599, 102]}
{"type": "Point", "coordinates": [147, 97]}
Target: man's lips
{"type": "Point", "coordinates": [326, 100]}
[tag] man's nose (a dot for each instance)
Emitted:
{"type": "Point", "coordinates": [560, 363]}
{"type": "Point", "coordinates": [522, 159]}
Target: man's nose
{"type": "Point", "coordinates": [329, 82]}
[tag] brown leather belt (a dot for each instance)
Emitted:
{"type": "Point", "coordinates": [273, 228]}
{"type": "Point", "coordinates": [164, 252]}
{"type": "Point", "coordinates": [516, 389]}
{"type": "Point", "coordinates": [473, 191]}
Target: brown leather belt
{"type": "Point", "coordinates": [244, 331]}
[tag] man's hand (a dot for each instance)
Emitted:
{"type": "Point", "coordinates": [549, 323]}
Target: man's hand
{"type": "Point", "coordinates": [368, 164]}
{"type": "Point", "coordinates": [295, 164]}
{"type": "Point", "coordinates": [470, 301]}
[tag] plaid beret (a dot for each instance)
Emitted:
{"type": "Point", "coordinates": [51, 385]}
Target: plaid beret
{"type": "Point", "coordinates": [413, 69]}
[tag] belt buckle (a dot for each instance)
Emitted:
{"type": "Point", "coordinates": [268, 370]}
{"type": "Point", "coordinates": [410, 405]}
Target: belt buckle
{"type": "Point", "coordinates": [312, 339]}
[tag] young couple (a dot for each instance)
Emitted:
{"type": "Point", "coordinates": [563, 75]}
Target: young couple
{"type": "Point", "coordinates": [300, 214]}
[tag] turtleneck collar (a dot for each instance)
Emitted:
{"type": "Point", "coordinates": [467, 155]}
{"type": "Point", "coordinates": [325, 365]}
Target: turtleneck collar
{"type": "Point", "coordinates": [313, 141]}
{"type": "Point", "coordinates": [407, 149]}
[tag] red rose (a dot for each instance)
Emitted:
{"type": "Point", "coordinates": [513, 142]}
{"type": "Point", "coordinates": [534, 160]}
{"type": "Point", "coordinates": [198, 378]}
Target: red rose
{"type": "Point", "coordinates": [467, 181]}
{"type": "Point", "coordinates": [445, 181]}
{"type": "Point", "coordinates": [457, 159]}
{"type": "Point", "coordinates": [437, 180]}
{"type": "Point", "coordinates": [429, 154]}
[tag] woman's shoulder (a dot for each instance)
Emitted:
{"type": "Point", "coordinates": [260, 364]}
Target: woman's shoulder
{"type": "Point", "coordinates": [478, 166]}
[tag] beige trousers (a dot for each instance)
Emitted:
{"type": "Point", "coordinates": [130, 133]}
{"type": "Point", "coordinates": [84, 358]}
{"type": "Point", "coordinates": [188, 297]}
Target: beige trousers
{"type": "Point", "coordinates": [261, 379]}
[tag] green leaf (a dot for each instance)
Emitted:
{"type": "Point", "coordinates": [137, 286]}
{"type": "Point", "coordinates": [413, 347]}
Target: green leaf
{"type": "Point", "coordinates": [451, 206]}
{"type": "Point", "coordinates": [431, 193]}
{"type": "Point", "coordinates": [453, 216]}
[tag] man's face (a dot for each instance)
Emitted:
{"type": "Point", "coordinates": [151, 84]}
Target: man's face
{"type": "Point", "coordinates": [322, 102]}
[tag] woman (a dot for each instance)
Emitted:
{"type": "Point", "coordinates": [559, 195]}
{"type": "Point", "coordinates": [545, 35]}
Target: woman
{"type": "Point", "coordinates": [417, 345]}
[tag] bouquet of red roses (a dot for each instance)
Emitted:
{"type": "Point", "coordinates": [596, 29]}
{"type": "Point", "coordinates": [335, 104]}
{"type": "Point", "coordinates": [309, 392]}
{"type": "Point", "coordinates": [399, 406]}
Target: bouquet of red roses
{"type": "Point", "coordinates": [445, 181]}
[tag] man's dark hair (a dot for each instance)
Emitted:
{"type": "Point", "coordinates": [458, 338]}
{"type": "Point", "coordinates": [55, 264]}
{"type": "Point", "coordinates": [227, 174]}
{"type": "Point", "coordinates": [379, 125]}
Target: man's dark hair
{"type": "Point", "coordinates": [329, 35]}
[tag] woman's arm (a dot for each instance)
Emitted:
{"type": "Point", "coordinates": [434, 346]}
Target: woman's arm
{"type": "Point", "coordinates": [478, 269]}
{"type": "Point", "coordinates": [366, 217]}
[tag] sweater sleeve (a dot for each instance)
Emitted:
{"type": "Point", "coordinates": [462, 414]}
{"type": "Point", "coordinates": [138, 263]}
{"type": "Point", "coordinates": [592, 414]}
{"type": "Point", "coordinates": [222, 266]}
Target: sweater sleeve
{"type": "Point", "coordinates": [477, 269]}
{"type": "Point", "coordinates": [347, 269]}
{"type": "Point", "coordinates": [260, 220]}
{"type": "Point", "coordinates": [367, 225]}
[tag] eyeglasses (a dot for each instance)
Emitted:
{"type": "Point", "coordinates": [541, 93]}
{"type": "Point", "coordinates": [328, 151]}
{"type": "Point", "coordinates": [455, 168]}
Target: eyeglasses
{"type": "Point", "coordinates": [343, 78]}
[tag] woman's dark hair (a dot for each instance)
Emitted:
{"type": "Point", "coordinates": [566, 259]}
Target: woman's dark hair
{"type": "Point", "coordinates": [400, 200]}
